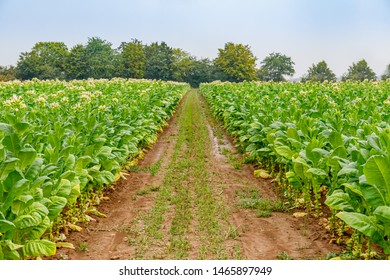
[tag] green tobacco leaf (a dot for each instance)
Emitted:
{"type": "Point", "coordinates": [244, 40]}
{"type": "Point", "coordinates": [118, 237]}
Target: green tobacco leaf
{"type": "Point", "coordinates": [12, 179]}
{"type": "Point", "coordinates": [300, 167]}
{"type": "Point", "coordinates": [74, 194]}
{"type": "Point", "coordinates": [107, 177]}
{"type": "Point", "coordinates": [317, 171]}
{"type": "Point", "coordinates": [339, 200]}
{"type": "Point", "coordinates": [27, 157]}
{"type": "Point", "coordinates": [284, 151]}
{"type": "Point", "coordinates": [377, 171]}
{"type": "Point", "coordinates": [70, 162]}
{"type": "Point", "coordinates": [21, 127]}
{"type": "Point", "coordinates": [6, 128]}
{"type": "Point", "coordinates": [31, 216]}
{"type": "Point", "coordinates": [7, 167]}
{"type": "Point", "coordinates": [335, 139]}
{"type": "Point", "coordinates": [63, 189]}
{"type": "Point", "coordinates": [373, 195]}
{"type": "Point", "coordinates": [37, 231]}
{"type": "Point", "coordinates": [293, 134]}
{"type": "Point", "coordinates": [36, 248]}
{"type": "Point", "coordinates": [364, 224]}
{"type": "Point", "coordinates": [6, 225]}
{"type": "Point", "coordinates": [347, 170]}
{"type": "Point", "coordinates": [55, 207]}
{"type": "Point", "coordinates": [383, 214]}
{"type": "Point", "coordinates": [12, 143]}
{"type": "Point", "coordinates": [33, 170]}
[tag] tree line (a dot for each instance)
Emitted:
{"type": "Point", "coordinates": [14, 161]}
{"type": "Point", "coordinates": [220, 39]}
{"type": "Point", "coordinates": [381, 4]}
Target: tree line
{"type": "Point", "coordinates": [98, 59]}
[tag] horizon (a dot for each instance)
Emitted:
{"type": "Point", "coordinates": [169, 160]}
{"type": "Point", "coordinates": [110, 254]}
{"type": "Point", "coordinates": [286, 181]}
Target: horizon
{"type": "Point", "coordinates": [338, 32]}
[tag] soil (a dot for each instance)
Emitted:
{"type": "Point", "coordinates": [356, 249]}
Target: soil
{"type": "Point", "coordinates": [131, 199]}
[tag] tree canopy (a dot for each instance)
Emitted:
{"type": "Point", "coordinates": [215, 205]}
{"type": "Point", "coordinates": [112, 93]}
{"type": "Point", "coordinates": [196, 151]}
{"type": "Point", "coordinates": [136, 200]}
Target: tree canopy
{"type": "Point", "coordinates": [132, 60]}
{"type": "Point", "coordinates": [46, 60]}
{"type": "Point", "coordinates": [159, 61]}
{"type": "Point", "coordinates": [275, 66]}
{"type": "Point", "coordinates": [386, 75]}
{"type": "Point", "coordinates": [76, 63]}
{"type": "Point", "coordinates": [98, 59]}
{"type": "Point", "coordinates": [101, 59]}
{"type": "Point", "coordinates": [236, 62]}
{"type": "Point", "coordinates": [319, 72]}
{"type": "Point", "coordinates": [359, 71]}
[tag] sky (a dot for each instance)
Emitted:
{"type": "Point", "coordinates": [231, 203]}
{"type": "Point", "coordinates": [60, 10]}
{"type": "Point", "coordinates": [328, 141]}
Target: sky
{"type": "Point", "coordinates": [340, 32]}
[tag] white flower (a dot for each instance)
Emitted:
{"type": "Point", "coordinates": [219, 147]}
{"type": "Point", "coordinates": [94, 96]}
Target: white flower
{"type": "Point", "coordinates": [40, 99]}
{"type": "Point", "coordinates": [77, 106]}
{"type": "Point", "coordinates": [55, 105]}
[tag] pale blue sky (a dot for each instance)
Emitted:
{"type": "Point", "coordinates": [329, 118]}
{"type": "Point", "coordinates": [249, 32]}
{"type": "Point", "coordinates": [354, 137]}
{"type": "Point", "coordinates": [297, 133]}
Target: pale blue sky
{"type": "Point", "coordinates": [339, 32]}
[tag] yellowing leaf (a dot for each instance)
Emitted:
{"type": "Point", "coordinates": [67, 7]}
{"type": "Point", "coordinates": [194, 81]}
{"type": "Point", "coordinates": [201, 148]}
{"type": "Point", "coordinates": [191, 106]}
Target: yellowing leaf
{"type": "Point", "coordinates": [65, 245]}
{"type": "Point", "coordinates": [299, 214]}
{"type": "Point", "coordinates": [262, 174]}
{"type": "Point", "coordinates": [75, 227]}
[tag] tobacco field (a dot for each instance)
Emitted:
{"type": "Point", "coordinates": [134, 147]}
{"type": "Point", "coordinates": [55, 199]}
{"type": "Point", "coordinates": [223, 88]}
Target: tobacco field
{"type": "Point", "coordinates": [61, 143]}
{"type": "Point", "coordinates": [327, 146]}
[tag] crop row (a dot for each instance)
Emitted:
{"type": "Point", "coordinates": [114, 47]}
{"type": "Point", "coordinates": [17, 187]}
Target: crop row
{"type": "Point", "coordinates": [327, 140]}
{"type": "Point", "coordinates": [61, 142]}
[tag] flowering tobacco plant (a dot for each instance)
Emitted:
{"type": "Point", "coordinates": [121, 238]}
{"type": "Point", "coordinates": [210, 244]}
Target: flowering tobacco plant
{"type": "Point", "coordinates": [60, 140]}
{"type": "Point", "coordinates": [317, 138]}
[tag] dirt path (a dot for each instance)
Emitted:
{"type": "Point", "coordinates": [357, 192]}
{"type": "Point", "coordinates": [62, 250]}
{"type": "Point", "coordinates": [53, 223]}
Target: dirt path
{"type": "Point", "coordinates": [192, 197]}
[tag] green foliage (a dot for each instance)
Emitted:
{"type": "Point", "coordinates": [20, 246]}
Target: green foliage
{"type": "Point", "coordinates": [76, 63]}
{"type": "Point", "coordinates": [101, 59]}
{"type": "Point", "coordinates": [132, 59]}
{"type": "Point", "coordinates": [275, 66]}
{"type": "Point", "coordinates": [236, 62]}
{"type": "Point", "coordinates": [182, 65]}
{"type": "Point", "coordinates": [159, 61]}
{"type": "Point", "coordinates": [316, 138]}
{"type": "Point", "coordinates": [62, 141]}
{"type": "Point", "coordinates": [319, 73]}
{"type": "Point", "coordinates": [46, 60]}
{"type": "Point", "coordinates": [359, 71]}
{"type": "Point", "coordinates": [386, 75]}
{"type": "Point", "coordinates": [201, 71]}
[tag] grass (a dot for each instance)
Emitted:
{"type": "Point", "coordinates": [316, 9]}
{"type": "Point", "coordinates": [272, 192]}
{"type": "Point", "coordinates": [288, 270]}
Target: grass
{"type": "Point", "coordinates": [152, 169]}
{"type": "Point", "coordinates": [186, 200]}
{"type": "Point", "coordinates": [283, 256]}
{"type": "Point", "coordinates": [148, 190]}
{"type": "Point", "coordinates": [232, 158]}
{"type": "Point", "coordinates": [82, 246]}
{"type": "Point", "coordinates": [250, 198]}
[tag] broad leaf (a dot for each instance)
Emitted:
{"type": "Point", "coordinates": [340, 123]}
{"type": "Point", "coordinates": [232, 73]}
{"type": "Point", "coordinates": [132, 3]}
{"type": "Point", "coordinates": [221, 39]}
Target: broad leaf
{"type": "Point", "coordinates": [36, 248]}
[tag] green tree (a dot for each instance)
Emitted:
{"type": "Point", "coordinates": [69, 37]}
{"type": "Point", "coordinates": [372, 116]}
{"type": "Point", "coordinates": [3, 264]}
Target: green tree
{"type": "Point", "coordinates": [319, 73]}
{"type": "Point", "coordinates": [201, 71]}
{"type": "Point", "coordinates": [359, 71]}
{"type": "Point", "coordinates": [182, 65]}
{"type": "Point", "coordinates": [132, 59]}
{"type": "Point", "coordinates": [46, 60]}
{"type": "Point", "coordinates": [77, 63]}
{"type": "Point", "coordinates": [159, 61]}
{"type": "Point", "coordinates": [236, 63]}
{"type": "Point", "coordinates": [275, 66]}
{"type": "Point", "coordinates": [102, 60]}
{"type": "Point", "coordinates": [386, 75]}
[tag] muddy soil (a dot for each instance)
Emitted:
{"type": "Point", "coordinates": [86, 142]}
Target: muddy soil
{"type": "Point", "coordinates": [279, 236]}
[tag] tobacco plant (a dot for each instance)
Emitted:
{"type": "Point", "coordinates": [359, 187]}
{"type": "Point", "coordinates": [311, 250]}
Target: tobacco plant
{"type": "Point", "coordinates": [62, 140]}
